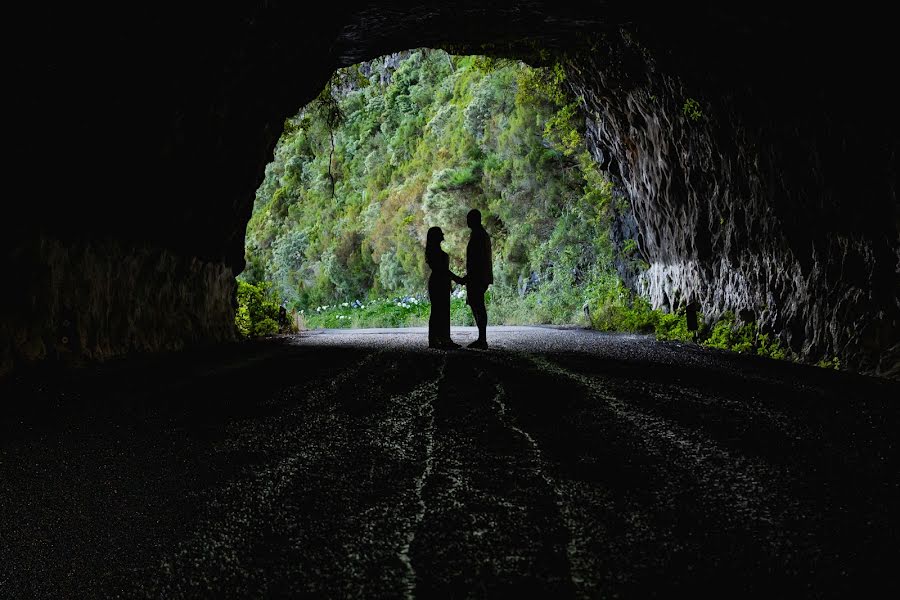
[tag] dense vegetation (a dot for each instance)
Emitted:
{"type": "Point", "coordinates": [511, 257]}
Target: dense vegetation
{"type": "Point", "coordinates": [402, 143]}
{"type": "Point", "coordinates": [399, 144]}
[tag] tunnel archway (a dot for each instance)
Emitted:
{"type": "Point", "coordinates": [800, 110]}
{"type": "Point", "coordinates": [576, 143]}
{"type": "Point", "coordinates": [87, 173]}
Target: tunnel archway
{"type": "Point", "coordinates": [760, 183]}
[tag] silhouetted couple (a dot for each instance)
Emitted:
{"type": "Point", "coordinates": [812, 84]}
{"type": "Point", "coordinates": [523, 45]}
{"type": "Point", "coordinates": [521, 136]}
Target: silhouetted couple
{"type": "Point", "coordinates": [479, 275]}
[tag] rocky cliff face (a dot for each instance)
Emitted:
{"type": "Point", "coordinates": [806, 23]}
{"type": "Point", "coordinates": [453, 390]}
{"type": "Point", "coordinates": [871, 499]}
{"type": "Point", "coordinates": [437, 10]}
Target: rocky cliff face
{"type": "Point", "coordinates": [762, 192]}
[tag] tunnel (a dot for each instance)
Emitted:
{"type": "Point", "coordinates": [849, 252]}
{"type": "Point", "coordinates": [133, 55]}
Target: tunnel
{"type": "Point", "coordinates": [148, 450]}
{"type": "Point", "coordinates": [756, 143]}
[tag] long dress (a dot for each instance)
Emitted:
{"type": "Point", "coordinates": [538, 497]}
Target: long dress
{"type": "Point", "coordinates": [439, 295]}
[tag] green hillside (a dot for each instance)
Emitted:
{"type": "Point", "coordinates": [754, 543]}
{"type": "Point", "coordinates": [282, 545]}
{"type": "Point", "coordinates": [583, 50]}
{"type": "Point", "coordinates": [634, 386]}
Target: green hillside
{"type": "Point", "coordinates": [399, 144]}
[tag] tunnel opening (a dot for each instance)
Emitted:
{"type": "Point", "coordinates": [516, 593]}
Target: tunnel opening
{"type": "Point", "coordinates": [412, 140]}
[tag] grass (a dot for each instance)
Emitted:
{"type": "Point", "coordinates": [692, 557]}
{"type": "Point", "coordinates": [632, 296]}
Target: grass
{"type": "Point", "coordinates": [401, 311]}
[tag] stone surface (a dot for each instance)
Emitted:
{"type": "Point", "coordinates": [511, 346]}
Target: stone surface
{"type": "Point", "coordinates": [771, 195]}
{"type": "Point", "coordinates": [96, 300]}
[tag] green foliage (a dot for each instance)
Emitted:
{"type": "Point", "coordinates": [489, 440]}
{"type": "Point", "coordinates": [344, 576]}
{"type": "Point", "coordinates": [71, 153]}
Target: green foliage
{"type": "Point", "coordinates": [488, 64]}
{"type": "Point", "coordinates": [535, 86]}
{"type": "Point", "coordinates": [746, 338]}
{"type": "Point", "coordinates": [673, 326]}
{"type": "Point", "coordinates": [390, 148]}
{"type": "Point", "coordinates": [402, 311]}
{"type": "Point", "coordinates": [288, 253]}
{"type": "Point", "coordinates": [829, 363]}
{"type": "Point", "coordinates": [691, 110]}
{"type": "Point", "coordinates": [563, 128]}
{"type": "Point", "coordinates": [615, 308]}
{"type": "Point", "coordinates": [256, 314]}
{"type": "Point", "coordinates": [726, 334]}
{"type": "Point", "coordinates": [771, 347]}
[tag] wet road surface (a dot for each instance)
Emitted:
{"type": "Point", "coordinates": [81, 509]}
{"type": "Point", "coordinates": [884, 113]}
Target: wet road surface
{"type": "Point", "coordinates": [556, 464]}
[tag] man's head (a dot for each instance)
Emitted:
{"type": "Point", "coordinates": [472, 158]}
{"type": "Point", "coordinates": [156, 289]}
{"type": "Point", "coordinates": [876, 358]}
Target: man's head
{"type": "Point", "coordinates": [473, 219]}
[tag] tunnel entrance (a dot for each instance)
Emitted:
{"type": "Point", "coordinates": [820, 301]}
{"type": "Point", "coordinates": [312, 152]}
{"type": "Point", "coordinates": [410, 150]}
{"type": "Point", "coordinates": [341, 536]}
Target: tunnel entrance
{"type": "Point", "coordinates": [760, 184]}
{"type": "Point", "coordinates": [412, 140]}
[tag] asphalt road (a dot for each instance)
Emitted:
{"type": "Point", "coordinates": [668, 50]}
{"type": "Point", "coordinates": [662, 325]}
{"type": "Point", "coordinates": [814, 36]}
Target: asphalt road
{"type": "Point", "coordinates": [556, 464]}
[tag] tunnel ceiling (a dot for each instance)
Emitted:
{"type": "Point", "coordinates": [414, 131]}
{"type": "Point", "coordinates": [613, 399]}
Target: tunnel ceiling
{"type": "Point", "coordinates": [142, 134]}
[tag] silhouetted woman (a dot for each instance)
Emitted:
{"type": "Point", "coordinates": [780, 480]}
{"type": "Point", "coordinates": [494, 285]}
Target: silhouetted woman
{"type": "Point", "coordinates": [439, 288]}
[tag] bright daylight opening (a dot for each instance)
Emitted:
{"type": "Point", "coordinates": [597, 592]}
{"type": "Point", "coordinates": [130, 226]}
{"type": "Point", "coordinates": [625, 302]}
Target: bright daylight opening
{"type": "Point", "coordinates": [413, 140]}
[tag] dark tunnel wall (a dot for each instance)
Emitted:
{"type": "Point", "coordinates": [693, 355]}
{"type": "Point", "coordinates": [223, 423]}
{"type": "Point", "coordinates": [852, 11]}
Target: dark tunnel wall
{"type": "Point", "coordinates": [762, 170]}
{"type": "Point", "coordinates": [141, 136]}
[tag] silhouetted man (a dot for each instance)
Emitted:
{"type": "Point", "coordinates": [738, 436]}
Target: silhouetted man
{"type": "Point", "coordinates": [479, 274]}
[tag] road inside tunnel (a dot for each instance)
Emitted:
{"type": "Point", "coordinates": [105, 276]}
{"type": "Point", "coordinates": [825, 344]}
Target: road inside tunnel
{"type": "Point", "coordinates": [342, 463]}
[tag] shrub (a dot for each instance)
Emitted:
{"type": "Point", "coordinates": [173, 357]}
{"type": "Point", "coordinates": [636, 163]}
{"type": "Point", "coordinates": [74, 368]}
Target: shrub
{"type": "Point", "coordinates": [614, 308]}
{"type": "Point", "coordinates": [722, 333]}
{"type": "Point", "coordinates": [691, 110]}
{"type": "Point", "coordinates": [771, 348]}
{"type": "Point", "coordinates": [256, 314]}
{"type": "Point", "coordinates": [673, 327]}
{"type": "Point", "coordinates": [829, 363]}
{"type": "Point", "coordinates": [746, 338]}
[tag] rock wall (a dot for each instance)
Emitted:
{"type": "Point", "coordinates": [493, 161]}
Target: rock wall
{"type": "Point", "coordinates": [140, 146]}
{"type": "Point", "coordinates": [76, 301]}
{"type": "Point", "coordinates": [761, 191]}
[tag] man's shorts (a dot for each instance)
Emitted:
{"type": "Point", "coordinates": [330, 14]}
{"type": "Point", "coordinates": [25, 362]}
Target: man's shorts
{"type": "Point", "coordinates": [475, 296]}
